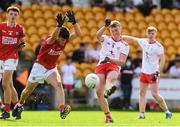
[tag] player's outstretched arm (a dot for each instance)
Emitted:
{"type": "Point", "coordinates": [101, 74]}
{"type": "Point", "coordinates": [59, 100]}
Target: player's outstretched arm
{"type": "Point", "coordinates": [129, 38]}
{"type": "Point", "coordinates": [60, 20]}
{"type": "Point", "coordinates": [102, 30]}
{"type": "Point", "coordinates": [72, 19]}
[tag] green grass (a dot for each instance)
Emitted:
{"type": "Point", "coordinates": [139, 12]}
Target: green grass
{"type": "Point", "coordinates": [90, 118]}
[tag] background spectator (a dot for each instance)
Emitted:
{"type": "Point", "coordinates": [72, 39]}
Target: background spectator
{"type": "Point", "coordinates": [124, 5]}
{"type": "Point", "coordinates": [174, 71]}
{"type": "Point", "coordinates": [171, 63]}
{"type": "Point", "coordinates": [138, 60]}
{"type": "Point", "coordinates": [110, 4]}
{"type": "Point", "coordinates": [99, 3]}
{"type": "Point", "coordinates": [81, 3]}
{"type": "Point", "coordinates": [93, 54]}
{"type": "Point", "coordinates": [79, 55]}
{"type": "Point", "coordinates": [126, 83]}
{"type": "Point", "coordinates": [68, 73]}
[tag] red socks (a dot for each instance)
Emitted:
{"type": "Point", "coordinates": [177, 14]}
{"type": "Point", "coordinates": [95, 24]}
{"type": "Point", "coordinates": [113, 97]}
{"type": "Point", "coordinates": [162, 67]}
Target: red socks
{"type": "Point", "coordinates": [108, 115]}
{"type": "Point", "coordinates": [61, 107]}
{"type": "Point", "coordinates": [0, 103]}
{"type": "Point", "coordinates": [7, 107]}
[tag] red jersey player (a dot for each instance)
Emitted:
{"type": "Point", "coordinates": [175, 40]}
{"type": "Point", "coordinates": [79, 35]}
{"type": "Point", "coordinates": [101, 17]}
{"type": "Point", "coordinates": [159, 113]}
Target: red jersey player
{"type": "Point", "coordinates": [113, 55]}
{"type": "Point", "coordinates": [11, 37]}
{"type": "Point", "coordinates": [45, 66]}
{"type": "Point", "coordinates": [152, 64]}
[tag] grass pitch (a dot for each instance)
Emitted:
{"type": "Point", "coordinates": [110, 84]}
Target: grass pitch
{"type": "Point", "coordinates": [91, 118]}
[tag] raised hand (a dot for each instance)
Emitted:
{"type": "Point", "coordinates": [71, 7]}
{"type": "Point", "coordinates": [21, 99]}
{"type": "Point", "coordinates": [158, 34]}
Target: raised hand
{"type": "Point", "coordinates": [107, 22]}
{"type": "Point", "coordinates": [155, 76]}
{"type": "Point", "coordinates": [60, 20]}
{"type": "Point", "coordinates": [105, 60]}
{"type": "Point", "coordinates": [71, 17]}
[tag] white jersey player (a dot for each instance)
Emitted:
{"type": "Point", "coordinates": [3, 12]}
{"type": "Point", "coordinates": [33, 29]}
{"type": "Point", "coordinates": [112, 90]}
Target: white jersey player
{"type": "Point", "coordinates": [152, 64]}
{"type": "Point", "coordinates": [113, 54]}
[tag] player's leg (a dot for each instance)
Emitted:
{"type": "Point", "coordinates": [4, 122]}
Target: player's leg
{"type": "Point", "coordinates": [18, 108]}
{"type": "Point", "coordinates": [160, 100]}
{"type": "Point", "coordinates": [2, 106]}
{"type": "Point", "coordinates": [71, 91]}
{"type": "Point", "coordinates": [14, 95]}
{"type": "Point", "coordinates": [6, 83]}
{"type": "Point", "coordinates": [27, 91]}
{"type": "Point", "coordinates": [35, 77]}
{"type": "Point", "coordinates": [110, 80]}
{"type": "Point", "coordinates": [100, 96]}
{"type": "Point", "coordinates": [55, 80]}
{"type": "Point", "coordinates": [142, 100]}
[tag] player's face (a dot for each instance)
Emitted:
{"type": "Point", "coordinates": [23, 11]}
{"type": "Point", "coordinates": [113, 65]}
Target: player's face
{"type": "Point", "coordinates": [12, 16]}
{"type": "Point", "coordinates": [151, 34]}
{"type": "Point", "coordinates": [115, 31]}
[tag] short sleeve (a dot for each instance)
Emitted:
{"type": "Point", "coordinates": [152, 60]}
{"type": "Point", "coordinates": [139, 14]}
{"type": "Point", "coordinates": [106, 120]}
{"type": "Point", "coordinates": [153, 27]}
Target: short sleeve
{"type": "Point", "coordinates": [125, 50]}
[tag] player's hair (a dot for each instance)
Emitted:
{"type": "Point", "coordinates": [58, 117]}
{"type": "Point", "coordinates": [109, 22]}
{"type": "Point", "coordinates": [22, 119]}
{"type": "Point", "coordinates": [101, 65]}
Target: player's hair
{"type": "Point", "coordinates": [151, 28]}
{"type": "Point", "coordinates": [16, 9]}
{"type": "Point", "coordinates": [64, 33]}
{"type": "Point", "coordinates": [115, 23]}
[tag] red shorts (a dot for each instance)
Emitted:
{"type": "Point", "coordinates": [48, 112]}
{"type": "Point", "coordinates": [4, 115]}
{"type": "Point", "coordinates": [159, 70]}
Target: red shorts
{"type": "Point", "coordinates": [68, 86]}
{"type": "Point", "coordinates": [147, 78]}
{"type": "Point", "coordinates": [106, 67]}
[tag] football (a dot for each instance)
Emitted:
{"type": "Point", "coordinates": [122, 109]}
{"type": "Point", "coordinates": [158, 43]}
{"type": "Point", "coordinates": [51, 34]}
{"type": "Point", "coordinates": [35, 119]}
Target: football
{"type": "Point", "coordinates": [91, 80]}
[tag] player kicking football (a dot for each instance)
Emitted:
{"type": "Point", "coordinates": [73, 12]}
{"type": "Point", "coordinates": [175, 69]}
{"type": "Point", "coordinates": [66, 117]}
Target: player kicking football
{"type": "Point", "coordinates": [11, 38]}
{"type": "Point", "coordinates": [113, 55]}
{"type": "Point", "coordinates": [45, 66]}
{"type": "Point", "coordinates": [152, 65]}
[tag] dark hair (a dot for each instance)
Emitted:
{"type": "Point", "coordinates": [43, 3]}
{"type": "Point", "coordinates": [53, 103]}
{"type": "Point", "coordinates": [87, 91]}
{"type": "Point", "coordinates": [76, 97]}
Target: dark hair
{"type": "Point", "coordinates": [13, 9]}
{"type": "Point", "coordinates": [82, 44]}
{"type": "Point", "coordinates": [68, 58]}
{"type": "Point", "coordinates": [64, 33]}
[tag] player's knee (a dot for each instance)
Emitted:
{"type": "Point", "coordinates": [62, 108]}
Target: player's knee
{"type": "Point", "coordinates": [157, 97]}
{"type": "Point", "coordinates": [110, 79]}
{"type": "Point", "coordinates": [99, 93]}
{"type": "Point", "coordinates": [58, 86]}
{"type": "Point", "coordinates": [142, 93]}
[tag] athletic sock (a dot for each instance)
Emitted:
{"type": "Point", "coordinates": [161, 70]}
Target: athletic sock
{"type": "Point", "coordinates": [61, 107]}
{"type": "Point", "coordinates": [167, 111]}
{"type": "Point", "coordinates": [1, 104]}
{"type": "Point", "coordinates": [142, 114]}
{"type": "Point", "coordinates": [7, 107]}
{"type": "Point", "coordinates": [108, 115]}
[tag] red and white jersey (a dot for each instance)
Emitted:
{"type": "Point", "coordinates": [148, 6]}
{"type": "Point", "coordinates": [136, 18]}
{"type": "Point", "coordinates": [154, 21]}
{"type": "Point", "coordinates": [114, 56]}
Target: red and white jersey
{"type": "Point", "coordinates": [9, 41]}
{"type": "Point", "coordinates": [151, 53]}
{"type": "Point", "coordinates": [113, 49]}
{"type": "Point", "coordinates": [48, 54]}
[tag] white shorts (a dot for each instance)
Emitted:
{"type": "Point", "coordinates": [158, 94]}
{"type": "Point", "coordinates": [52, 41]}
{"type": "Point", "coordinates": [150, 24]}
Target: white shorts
{"type": "Point", "coordinates": [39, 73]}
{"type": "Point", "coordinates": [9, 64]}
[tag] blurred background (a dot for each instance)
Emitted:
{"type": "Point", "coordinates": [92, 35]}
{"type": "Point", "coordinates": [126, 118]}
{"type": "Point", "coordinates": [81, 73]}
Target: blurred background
{"type": "Point", "coordinates": [38, 19]}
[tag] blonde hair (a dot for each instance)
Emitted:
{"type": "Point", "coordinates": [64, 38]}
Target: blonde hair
{"type": "Point", "coordinates": [151, 28]}
{"type": "Point", "coordinates": [115, 23]}
{"type": "Point", "coordinates": [12, 8]}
